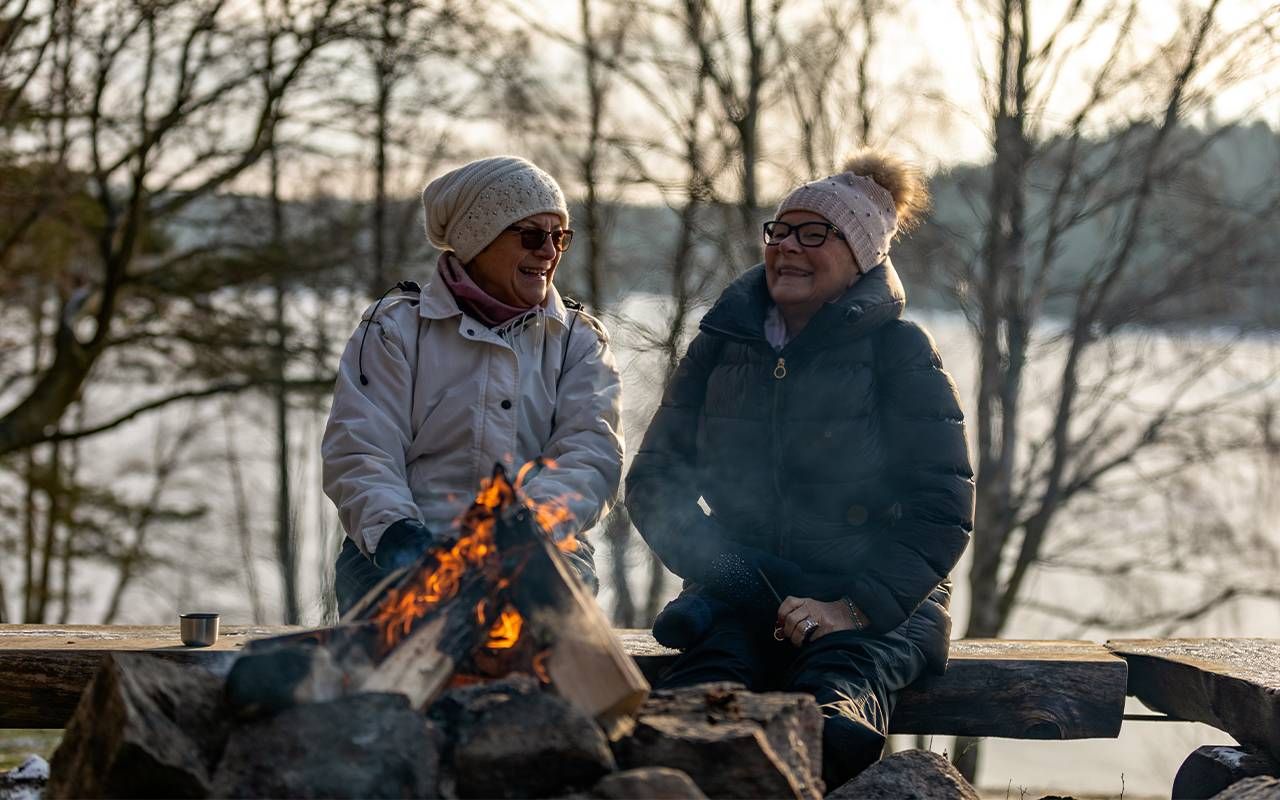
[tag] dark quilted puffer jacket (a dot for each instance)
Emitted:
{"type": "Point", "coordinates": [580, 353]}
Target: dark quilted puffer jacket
{"type": "Point", "coordinates": [843, 454]}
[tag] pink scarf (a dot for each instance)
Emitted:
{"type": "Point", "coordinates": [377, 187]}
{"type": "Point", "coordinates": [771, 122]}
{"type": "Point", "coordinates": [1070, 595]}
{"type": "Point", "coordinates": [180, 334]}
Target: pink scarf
{"type": "Point", "coordinates": [471, 298]}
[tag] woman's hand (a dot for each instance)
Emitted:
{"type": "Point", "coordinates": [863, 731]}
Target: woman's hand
{"type": "Point", "coordinates": [795, 614]}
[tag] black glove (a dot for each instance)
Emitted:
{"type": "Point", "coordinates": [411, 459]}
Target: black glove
{"type": "Point", "coordinates": [401, 544]}
{"type": "Point", "coordinates": [686, 620]}
{"type": "Point", "coordinates": [734, 577]}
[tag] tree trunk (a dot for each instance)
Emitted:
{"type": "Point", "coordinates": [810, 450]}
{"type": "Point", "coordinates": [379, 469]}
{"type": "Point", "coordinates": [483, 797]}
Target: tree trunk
{"type": "Point", "coordinates": [657, 588]}
{"type": "Point", "coordinates": [29, 538]}
{"type": "Point", "coordinates": [1003, 344]}
{"type": "Point", "coordinates": [241, 510]}
{"type": "Point", "coordinates": [49, 546]}
{"type": "Point", "coordinates": [286, 547]}
{"type": "Point", "coordinates": [29, 477]}
{"type": "Point", "coordinates": [384, 84]}
{"type": "Point", "coordinates": [617, 534]}
{"type": "Point", "coordinates": [617, 525]}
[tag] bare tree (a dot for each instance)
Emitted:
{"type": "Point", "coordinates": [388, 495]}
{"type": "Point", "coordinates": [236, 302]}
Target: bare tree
{"type": "Point", "coordinates": [121, 116]}
{"type": "Point", "coordinates": [827, 68]}
{"type": "Point", "coordinates": [147, 90]}
{"type": "Point", "coordinates": [1087, 431]}
{"type": "Point", "coordinates": [743, 75]}
{"type": "Point", "coordinates": [399, 41]}
{"type": "Point", "coordinates": [603, 44]}
{"type": "Point", "coordinates": [169, 457]}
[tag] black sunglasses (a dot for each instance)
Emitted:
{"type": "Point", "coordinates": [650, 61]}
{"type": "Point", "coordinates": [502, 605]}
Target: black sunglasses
{"type": "Point", "coordinates": [808, 234]}
{"type": "Point", "coordinates": [532, 238]}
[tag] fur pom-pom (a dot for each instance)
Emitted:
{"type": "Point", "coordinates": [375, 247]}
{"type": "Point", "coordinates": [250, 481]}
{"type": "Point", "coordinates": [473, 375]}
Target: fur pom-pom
{"type": "Point", "coordinates": [905, 183]}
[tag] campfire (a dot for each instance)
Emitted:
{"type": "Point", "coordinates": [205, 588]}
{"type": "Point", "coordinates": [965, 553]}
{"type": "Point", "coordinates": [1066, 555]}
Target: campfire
{"type": "Point", "coordinates": [438, 576]}
{"type": "Point", "coordinates": [484, 669]}
{"type": "Point", "coordinates": [490, 600]}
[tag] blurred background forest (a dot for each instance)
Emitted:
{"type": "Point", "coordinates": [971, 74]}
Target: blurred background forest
{"type": "Point", "coordinates": [198, 198]}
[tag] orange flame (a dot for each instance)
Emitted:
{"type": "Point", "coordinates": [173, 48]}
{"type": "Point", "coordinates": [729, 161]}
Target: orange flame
{"type": "Point", "coordinates": [429, 588]}
{"type": "Point", "coordinates": [506, 630]}
{"type": "Point", "coordinates": [551, 513]}
{"type": "Point", "coordinates": [439, 583]}
{"type": "Point", "coordinates": [568, 544]}
{"type": "Point", "coordinates": [540, 666]}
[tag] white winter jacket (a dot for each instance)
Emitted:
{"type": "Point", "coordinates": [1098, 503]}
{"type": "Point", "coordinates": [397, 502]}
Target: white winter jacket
{"type": "Point", "coordinates": [446, 398]}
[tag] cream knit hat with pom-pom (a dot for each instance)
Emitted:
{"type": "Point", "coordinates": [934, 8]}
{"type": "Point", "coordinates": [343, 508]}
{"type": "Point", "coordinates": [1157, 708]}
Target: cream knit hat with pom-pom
{"type": "Point", "coordinates": [876, 196]}
{"type": "Point", "coordinates": [468, 207]}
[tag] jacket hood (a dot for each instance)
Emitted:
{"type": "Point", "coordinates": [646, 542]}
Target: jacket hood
{"type": "Point", "coordinates": [878, 297]}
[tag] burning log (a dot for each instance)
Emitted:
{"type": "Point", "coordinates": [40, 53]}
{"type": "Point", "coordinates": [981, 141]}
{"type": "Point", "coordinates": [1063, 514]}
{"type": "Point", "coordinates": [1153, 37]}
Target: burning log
{"type": "Point", "coordinates": [496, 599]}
{"type": "Point", "coordinates": [579, 654]}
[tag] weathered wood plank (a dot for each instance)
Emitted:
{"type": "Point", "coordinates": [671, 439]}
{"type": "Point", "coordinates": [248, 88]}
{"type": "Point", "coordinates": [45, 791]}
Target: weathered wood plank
{"type": "Point", "coordinates": [1231, 684]}
{"type": "Point", "coordinates": [43, 669]}
{"type": "Point", "coordinates": [1016, 689]}
{"type": "Point", "coordinates": [1019, 690]}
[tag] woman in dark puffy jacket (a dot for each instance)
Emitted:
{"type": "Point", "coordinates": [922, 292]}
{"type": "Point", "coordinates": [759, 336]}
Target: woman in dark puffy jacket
{"type": "Point", "coordinates": [827, 443]}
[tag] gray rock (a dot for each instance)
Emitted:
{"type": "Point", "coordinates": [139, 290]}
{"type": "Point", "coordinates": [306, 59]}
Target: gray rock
{"type": "Point", "coordinates": [908, 775]}
{"type": "Point", "coordinates": [366, 745]}
{"type": "Point", "coordinates": [1261, 787]}
{"type": "Point", "coordinates": [732, 742]}
{"type": "Point", "coordinates": [1212, 768]}
{"type": "Point", "coordinates": [26, 781]}
{"type": "Point", "coordinates": [144, 727]}
{"type": "Point", "coordinates": [647, 783]}
{"type": "Point", "coordinates": [512, 739]}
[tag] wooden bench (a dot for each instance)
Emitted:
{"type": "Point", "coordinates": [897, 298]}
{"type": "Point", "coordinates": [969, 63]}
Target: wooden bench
{"type": "Point", "coordinates": [1231, 684]}
{"type": "Point", "coordinates": [1007, 688]}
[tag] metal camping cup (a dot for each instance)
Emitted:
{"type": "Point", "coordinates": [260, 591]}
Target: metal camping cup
{"type": "Point", "coordinates": [199, 629]}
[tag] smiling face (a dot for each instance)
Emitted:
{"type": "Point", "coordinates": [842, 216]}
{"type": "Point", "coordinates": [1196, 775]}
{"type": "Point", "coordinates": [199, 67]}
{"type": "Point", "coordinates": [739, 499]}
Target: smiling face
{"type": "Point", "coordinates": [801, 279]}
{"type": "Point", "coordinates": [513, 275]}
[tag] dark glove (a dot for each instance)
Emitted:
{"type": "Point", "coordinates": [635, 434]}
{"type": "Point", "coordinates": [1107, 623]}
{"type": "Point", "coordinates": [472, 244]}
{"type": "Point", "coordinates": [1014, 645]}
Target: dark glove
{"type": "Point", "coordinates": [734, 577]}
{"type": "Point", "coordinates": [686, 620]}
{"type": "Point", "coordinates": [401, 544]}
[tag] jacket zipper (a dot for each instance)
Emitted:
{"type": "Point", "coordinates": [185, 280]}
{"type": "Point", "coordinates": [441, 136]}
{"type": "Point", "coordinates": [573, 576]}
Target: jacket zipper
{"type": "Point", "coordinates": [784, 539]}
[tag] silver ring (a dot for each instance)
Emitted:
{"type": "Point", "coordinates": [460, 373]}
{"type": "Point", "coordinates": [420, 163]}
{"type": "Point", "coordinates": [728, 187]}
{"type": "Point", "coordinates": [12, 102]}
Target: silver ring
{"type": "Point", "coordinates": [809, 625]}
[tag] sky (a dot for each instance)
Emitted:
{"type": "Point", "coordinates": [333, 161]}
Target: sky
{"type": "Point", "coordinates": [934, 38]}
{"type": "Point", "coordinates": [927, 86]}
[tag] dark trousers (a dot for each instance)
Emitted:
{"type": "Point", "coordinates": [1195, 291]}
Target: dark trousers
{"type": "Point", "coordinates": [355, 575]}
{"type": "Point", "coordinates": [855, 678]}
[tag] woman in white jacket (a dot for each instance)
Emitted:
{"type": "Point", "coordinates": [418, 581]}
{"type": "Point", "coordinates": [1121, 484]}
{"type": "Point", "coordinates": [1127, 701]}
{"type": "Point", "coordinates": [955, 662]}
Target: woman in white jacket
{"type": "Point", "coordinates": [484, 364]}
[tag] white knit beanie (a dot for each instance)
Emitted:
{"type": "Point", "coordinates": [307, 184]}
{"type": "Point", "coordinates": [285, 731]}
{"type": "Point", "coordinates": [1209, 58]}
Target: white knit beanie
{"type": "Point", "coordinates": [862, 209]}
{"type": "Point", "coordinates": [468, 207]}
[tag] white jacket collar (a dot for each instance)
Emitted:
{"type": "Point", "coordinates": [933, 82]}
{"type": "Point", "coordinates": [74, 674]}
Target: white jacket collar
{"type": "Point", "coordinates": [437, 302]}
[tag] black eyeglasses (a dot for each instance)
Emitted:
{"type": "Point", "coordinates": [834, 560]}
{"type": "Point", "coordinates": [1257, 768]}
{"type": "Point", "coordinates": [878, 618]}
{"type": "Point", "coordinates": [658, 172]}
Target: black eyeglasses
{"type": "Point", "coordinates": [532, 238]}
{"type": "Point", "coordinates": [808, 234]}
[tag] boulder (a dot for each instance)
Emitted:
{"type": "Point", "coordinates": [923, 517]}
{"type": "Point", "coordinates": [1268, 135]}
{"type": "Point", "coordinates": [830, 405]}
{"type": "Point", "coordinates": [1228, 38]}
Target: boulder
{"type": "Point", "coordinates": [26, 781]}
{"type": "Point", "coordinates": [908, 775]}
{"type": "Point", "coordinates": [1261, 787]}
{"type": "Point", "coordinates": [144, 727]}
{"type": "Point", "coordinates": [365, 745]}
{"type": "Point", "coordinates": [732, 742]}
{"type": "Point", "coordinates": [1212, 768]}
{"type": "Point", "coordinates": [510, 738]}
{"type": "Point", "coordinates": [647, 783]}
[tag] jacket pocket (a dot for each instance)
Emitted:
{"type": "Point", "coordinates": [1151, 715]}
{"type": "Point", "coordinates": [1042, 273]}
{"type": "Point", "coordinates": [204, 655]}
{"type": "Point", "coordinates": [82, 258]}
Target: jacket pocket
{"type": "Point", "coordinates": [448, 425]}
{"type": "Point", "coordinates": [929, 628]}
